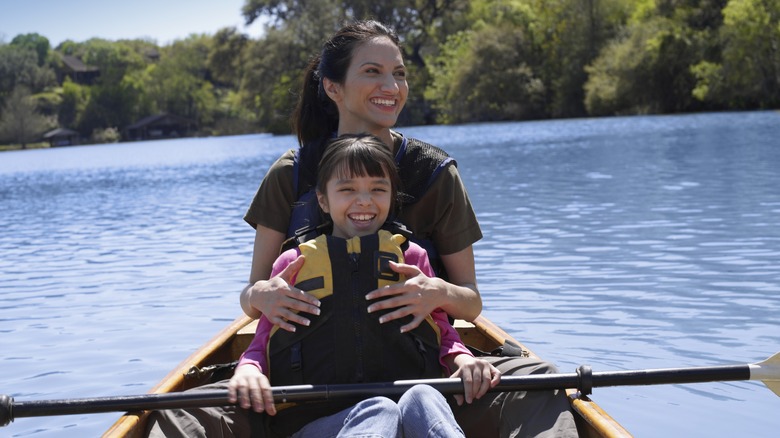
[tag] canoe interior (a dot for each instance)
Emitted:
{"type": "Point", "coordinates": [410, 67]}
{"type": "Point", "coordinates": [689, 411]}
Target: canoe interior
{"type": "Point", "coordinates": [228, 345]}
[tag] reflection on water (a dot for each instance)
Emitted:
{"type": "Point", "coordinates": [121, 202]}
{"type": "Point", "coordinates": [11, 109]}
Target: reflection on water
{"type": "Point", "coordinates": [624, 243]}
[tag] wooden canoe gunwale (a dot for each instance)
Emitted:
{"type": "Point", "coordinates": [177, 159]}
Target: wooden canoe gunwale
{"type": "Point", "coordinates": [230, 342]}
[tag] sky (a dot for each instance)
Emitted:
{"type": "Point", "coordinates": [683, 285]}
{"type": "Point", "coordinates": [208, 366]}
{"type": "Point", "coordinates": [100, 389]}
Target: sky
{"type": "Point", "coordinates": [160, 20]}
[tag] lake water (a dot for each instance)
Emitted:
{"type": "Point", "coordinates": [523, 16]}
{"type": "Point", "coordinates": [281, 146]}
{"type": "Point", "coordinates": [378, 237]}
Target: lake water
{"type": "Point", "coordinates": [623, 243]}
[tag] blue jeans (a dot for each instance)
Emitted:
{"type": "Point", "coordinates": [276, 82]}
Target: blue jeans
{"type": "Point", "coordinates": [426, 414]}
{"type": "Point", "coordinates": [421, 412]}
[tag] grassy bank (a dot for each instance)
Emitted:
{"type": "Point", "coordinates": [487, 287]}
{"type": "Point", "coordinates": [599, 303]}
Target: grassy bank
{"type": "Point", "coordinates": [18, 147]}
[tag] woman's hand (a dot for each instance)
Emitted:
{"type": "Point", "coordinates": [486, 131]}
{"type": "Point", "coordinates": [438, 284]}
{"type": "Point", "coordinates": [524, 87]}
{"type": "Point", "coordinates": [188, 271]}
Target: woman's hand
{"type": "Point", "coordinates": [251, 389]}
{"type": "Point", "coordinates": [278, 299]}
{"type": "Point", "coordinates": [418, 296]}
{"type": "Point", "coordinates": [478, 376]}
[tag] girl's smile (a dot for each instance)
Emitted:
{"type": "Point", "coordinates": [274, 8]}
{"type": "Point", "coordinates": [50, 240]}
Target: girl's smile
{"type": "Point", "coordinates": [357, 205]}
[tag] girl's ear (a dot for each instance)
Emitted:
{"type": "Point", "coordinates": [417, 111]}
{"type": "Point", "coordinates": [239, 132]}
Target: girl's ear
{"type": "Point", "coordinates": [332, 89]}
{"type": "Point", "coordinates": [323, 201]}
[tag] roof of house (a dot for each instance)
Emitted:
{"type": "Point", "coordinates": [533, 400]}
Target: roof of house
{"type": "Point", "coordinates": [60, 132]}
{"type": "Point", "coordinates": [76, 64]}
{"type": "Point", "coordinates": [151, 120]}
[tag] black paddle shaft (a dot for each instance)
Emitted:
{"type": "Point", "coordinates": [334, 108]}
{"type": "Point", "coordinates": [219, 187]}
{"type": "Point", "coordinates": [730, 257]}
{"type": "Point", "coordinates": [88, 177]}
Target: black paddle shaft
{"type": "Point", "coordinates": [9, 409]}
{"type": "Point", "coordinates": [583, 380]}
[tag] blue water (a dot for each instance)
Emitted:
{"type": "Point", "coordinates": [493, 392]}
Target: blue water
{"type": "Point", "coordinates": [623, 243]}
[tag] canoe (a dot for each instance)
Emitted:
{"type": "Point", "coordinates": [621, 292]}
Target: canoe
{"type": "Point", "coordinates": [228, 344]}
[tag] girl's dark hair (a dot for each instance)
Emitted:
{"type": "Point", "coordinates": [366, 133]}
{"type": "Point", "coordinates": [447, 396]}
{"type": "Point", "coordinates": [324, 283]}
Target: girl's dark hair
{"type": "Point", "coordinates": [316, 116]}
{"type": "Point", "coordinates": [359, 155]}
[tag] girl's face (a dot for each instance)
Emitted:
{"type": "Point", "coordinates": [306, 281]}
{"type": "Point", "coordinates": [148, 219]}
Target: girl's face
{"type": "Point", "coordinates": [374, 90]}
{"type": "Point", "coordinates": [358, 205]}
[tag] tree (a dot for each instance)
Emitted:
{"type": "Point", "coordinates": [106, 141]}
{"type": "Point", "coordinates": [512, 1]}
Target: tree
{"type": "Point", "coordinates": [486, 75]}
{"type": "Point", "coordinates": [21, 122]}
{"type": "Point", "coordinates": [649, 68]}
{"type": "Point", "coordinates": [19, 66]}
{"type": "Point", "coordinates": [181, 82]}
{"type": "Point", "coordinates": [570, 34]}
{"type": "Point", "coordinates": [35, 42]}
{"type": "Point", "coordinates": [748, 74]}
{"type": "Point", "coordinates": [111, 101]}
{"type": "Point", "coordinates": [226, 56]}
{"type": "Point", "coordinates": [74, 100]}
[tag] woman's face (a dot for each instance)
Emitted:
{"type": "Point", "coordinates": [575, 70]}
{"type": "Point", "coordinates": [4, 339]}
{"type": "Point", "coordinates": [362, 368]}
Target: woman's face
{"type": "Point", "coordinates": [374, 90]}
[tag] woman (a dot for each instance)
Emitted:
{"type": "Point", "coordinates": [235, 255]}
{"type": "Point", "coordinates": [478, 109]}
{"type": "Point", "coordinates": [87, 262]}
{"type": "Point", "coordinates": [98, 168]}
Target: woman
{"type": "Point", "coordinates": [358, 85]}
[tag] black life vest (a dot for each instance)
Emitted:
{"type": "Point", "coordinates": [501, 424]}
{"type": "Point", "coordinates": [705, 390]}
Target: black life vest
{"type": "Point", "coordinates": [419, 164]}
{"type": "Point", "coordinates": [346, 344]}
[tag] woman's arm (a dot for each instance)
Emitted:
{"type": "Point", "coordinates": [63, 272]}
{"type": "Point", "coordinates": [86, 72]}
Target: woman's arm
{"type": "Point", "coordinates": [266, 249]}
{"type": "Point", "coordinates": [462, 299]}
{"type": "Point", "coordinates": [422, 293]}
{"type": "Point", "coordinates": [275, 298]}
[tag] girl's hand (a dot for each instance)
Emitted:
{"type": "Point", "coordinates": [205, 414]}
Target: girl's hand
{"type": "Point", "coordinates": [418, 296]}
{"type": "Point", "coordinates": [478, 376]}
{"type": "Point", "coordinates": [251, 389]}
{"type": "Point", "coordinates": [278, 299]}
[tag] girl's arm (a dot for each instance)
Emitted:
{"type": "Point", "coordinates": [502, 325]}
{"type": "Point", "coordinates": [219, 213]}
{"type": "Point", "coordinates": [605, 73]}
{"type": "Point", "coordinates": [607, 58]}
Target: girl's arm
{"type": "Point", "coordinates": [478, 376]}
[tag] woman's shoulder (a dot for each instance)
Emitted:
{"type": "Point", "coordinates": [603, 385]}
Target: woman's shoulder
{"type": "Point", "coordinates": [417, 146]}
{"type": "Point", "coordinates": [286, 159]}
{"type": "Point", "coordinates": [283, 166]}
{"type": "Point", "coordinates": [420, 165]}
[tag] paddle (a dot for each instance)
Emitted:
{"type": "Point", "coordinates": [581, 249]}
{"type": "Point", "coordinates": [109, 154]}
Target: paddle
{"type": "Point", "coordinates": [767, 371]}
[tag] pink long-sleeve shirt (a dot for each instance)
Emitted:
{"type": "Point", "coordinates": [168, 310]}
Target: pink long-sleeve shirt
{"type": "Point", "coordinates": [414, 255]}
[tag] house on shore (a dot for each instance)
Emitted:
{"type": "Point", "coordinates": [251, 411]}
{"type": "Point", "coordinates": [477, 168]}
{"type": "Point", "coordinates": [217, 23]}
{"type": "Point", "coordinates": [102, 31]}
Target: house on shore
{"type": "Point", "coordinates": [78, 72]}
{"type": "Point", "coordinates": [160, 126]}
{"type": "Point", "coordinates": [61, 137]}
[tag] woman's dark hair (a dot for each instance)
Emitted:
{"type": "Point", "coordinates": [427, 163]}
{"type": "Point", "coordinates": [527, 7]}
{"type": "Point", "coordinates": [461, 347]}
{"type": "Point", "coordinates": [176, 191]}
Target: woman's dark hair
{"type": "Point", "coordinates": [316, 116]}
{"type": "Point", "coordinates": [359, 155]}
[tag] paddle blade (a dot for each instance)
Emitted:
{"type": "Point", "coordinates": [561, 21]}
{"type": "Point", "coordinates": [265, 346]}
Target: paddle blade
{"type": "Point", "coordinates": [768, 372]}
{"type": "Point", "coordinates": [774, 386]}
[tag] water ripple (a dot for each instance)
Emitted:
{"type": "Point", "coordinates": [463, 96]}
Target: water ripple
{"type": "Point", "coordinates": [626, 243]}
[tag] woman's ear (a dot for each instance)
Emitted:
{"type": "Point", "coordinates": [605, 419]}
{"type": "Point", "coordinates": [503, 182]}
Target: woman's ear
{"type": "Point", "coordinates": [332, 89]}
{"type": "Point", "coordinates": [323, 201]}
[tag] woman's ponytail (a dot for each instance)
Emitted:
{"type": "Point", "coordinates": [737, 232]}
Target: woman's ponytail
{"type": "Point", "coordinates": [315, 117]}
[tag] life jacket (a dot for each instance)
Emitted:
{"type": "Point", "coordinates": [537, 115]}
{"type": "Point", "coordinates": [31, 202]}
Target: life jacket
{"type": "Point", "coordinates": [346, 344]}
{"type": "Point", "coordinates": [419, 164]}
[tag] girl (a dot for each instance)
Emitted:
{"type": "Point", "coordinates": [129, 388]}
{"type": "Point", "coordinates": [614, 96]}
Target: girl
{"type": "Point", "coordinates": [357, 188]}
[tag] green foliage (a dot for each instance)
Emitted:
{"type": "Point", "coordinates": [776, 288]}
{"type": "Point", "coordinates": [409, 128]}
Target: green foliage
{"type": "Point", "coordinates": [74, 99]}
{"type": "Point", "coordinates": [478, 60]}
{"type": "Point", "coordinates": [35, 42]}
{"type": "Point", "coordinates": [113, 58]}
{"type": "Point", "coordinates": [107, 135]}
{"type": "Point", "coordinates": [484, 75]}
{"type": "Point", "coordinates": [661, 63]}
{"type": "Point", "coordinates": [225, 60]}
{"type": "Point", "coordinates": [21, 122]}
{"type": "Point", "coordinates": [19, 66]}
{"type": "Point", "coordinates": [748, 75]}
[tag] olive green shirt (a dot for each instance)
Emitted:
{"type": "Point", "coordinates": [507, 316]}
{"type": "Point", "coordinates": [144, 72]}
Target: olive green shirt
{"type": "Point", "coordinates": [443, 214]}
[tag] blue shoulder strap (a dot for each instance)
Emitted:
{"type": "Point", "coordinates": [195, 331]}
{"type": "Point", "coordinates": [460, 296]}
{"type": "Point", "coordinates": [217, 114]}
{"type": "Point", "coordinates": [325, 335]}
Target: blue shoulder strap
{"type": "Point", "coordinates": [419, 164]}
